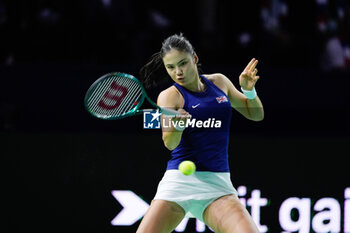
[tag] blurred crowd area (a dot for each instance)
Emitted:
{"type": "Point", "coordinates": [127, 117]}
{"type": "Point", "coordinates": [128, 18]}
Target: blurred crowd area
{"type": "Point", "coordinates": [281, 33]}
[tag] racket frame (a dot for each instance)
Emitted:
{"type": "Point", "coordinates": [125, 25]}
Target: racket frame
{"type": "Point", "coordinates": [135, 110]}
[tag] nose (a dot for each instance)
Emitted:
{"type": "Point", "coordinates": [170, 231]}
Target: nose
{"type": "Point", "coordinates": [178, 71]}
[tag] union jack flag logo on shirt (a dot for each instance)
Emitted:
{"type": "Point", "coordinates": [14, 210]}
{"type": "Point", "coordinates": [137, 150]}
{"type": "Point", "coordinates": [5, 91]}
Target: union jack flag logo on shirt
{"type": "Point", "coordinates": [221, 99]}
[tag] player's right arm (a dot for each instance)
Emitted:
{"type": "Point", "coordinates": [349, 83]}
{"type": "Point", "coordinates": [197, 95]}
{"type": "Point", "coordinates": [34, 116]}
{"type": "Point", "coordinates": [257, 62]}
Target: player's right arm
{"type": "Point", "coordinates": [171, 98]}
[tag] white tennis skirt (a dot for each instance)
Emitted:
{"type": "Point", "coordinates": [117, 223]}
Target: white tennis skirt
{"type": "Point", "coordinates": [194, 192]}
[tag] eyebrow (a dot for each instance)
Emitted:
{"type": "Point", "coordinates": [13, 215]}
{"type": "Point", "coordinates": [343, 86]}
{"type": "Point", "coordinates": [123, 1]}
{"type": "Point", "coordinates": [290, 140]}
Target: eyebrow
{"type": "Point", "coordinates": [177, 62]}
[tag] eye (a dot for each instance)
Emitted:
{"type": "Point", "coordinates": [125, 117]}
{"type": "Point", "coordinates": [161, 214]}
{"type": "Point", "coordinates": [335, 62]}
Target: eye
{"type": "Point", "coordinates": [170, 67]}
{"type": "Point", "coordinates": [183, 63]}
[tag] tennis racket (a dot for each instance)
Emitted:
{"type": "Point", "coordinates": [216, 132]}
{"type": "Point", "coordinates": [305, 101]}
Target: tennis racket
{"type": "Point", "coordinates": [118, 95]}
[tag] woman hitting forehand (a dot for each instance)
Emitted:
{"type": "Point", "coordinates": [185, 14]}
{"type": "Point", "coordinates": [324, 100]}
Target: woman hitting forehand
{"type": "Point", "coordinates": [208, 194]}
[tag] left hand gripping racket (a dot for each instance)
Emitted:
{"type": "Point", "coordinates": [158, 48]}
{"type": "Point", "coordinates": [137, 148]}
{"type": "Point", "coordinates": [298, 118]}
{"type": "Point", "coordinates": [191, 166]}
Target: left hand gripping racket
{"type": "Point", "coordinates": [118, 95]}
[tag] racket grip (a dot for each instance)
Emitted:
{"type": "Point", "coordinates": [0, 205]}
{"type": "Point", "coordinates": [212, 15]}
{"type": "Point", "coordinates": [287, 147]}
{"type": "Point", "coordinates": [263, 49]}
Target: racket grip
{"type": "Point", "coordinates": [170, 112]}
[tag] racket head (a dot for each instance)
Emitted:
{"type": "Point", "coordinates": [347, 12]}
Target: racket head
{"type": "Point", "coordinates": [114, 96]}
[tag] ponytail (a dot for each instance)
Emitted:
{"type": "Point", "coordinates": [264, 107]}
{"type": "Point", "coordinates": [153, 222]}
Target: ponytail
{"type": "Point", "coordinates": [154, 72]}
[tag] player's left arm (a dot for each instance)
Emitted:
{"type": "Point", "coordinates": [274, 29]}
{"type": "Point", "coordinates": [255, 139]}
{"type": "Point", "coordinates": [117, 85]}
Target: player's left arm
{"type": "Point", "coordinates": [252, 109]}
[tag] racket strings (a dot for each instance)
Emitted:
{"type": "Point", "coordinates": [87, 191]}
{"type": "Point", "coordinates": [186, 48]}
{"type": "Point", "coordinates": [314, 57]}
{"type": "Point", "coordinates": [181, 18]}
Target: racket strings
{"type": "Point", "coordinates": [128, 103]}
{"type": "Point", "coordinates": [119, 94]}
{"type": "Point", "coordinates": [125, 105]}
{"type": "Point", "coordinates": [98, 93]}
{"type": "Point", "coordinates": [110, 101]}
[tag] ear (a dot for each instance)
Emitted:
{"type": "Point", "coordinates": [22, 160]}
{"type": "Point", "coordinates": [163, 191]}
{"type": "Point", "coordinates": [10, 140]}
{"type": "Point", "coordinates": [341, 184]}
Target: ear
{"type": "Point", "coordinates": [195, 57]}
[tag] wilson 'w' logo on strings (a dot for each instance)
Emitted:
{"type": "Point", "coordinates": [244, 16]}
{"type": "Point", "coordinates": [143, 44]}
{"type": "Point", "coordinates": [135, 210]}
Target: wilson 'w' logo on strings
{"type": "Point", "coordinates": [115, 93]}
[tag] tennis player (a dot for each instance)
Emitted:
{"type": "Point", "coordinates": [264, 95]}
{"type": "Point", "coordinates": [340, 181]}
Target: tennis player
{"type": "Point", "coordinates": [208, 194]}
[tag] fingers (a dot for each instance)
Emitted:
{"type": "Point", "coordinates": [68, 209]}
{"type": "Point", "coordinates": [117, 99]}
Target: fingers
{"type": "Point", "coordinates": [251, 65]}
{"type": "Point", "coordinates": [249, 75]}
{"type": "Point", "coordinates": [183, 114]}
{"type": "Point", "coordinates": [254, 72]}
{"type": "Point", "coordinates": [255, 62]}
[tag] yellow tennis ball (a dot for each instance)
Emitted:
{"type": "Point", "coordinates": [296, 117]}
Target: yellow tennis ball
{"type": "Point", "coordinates": [187, 167]}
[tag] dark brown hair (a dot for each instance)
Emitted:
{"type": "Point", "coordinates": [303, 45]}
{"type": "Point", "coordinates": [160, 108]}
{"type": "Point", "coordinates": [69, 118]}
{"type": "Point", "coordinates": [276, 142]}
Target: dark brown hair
{"type": "Point", "coordinates": [154, 72]}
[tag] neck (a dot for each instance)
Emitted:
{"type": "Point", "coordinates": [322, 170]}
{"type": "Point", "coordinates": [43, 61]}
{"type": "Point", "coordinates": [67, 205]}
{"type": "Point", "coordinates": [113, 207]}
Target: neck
{"type": "Point", "coordinates": [197, 85]}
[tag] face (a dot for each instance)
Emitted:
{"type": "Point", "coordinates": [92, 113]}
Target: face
{"type": "Point", "coordinates": [181, 66]}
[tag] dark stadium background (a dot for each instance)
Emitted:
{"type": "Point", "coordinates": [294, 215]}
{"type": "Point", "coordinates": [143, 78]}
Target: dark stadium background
{"type": "Point", "coordinates": [59, 164]}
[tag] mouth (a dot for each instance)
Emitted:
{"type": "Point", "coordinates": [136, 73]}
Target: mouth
{"type": "Point", "coordinates": [180, 78]}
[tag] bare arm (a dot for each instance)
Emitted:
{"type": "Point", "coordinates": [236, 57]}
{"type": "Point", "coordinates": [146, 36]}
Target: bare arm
{"type": "Point", "coordinates": [170, 98]}
{"type": "Point", "coordinates": [251, 109]}
{"type": "Point", "coordinates": [247, 80]}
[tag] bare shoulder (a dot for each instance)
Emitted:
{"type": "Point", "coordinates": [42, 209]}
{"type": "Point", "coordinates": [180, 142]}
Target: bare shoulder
{"type": "Point", "coordinates": [219, 80]}
{"type": "Point", "coordinates": [170, 97]}
{"type": "Point", "coordinates": [214, 77]}
{"type": "Point", "coordinates": [170, 92]}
